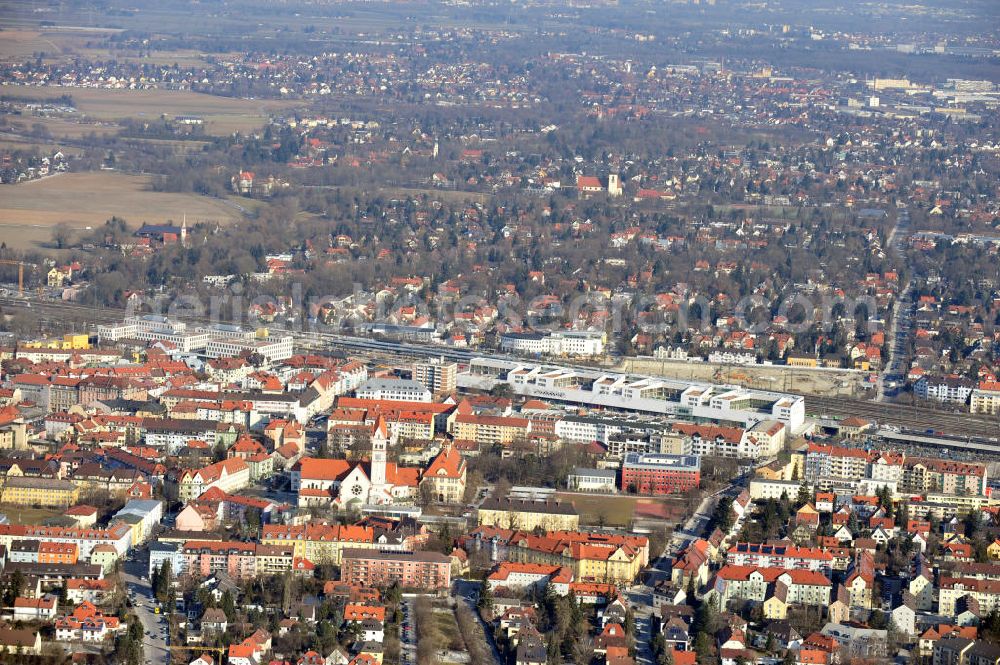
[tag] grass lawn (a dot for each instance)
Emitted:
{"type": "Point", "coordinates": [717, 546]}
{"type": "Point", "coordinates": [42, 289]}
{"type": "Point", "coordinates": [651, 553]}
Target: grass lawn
{"type": "Point", "coordinates": [34, 516]}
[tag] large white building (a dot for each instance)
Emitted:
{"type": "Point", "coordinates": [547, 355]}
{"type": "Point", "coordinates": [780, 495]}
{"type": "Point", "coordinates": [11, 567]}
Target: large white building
{"type": "Point", "coordinates": [763, 488]}
{"type": "Point", "coordinates": [636, 393]}
{"type": "Point", "coordinates": [802, 587]}
{"type": "Point", "coordinates": [559, 343]}
{"type": "Point", "coordinates": [217, 341]}
{"type": "Point", "coordinates": [401, 390]}
{"type": "Point", "coordinates": [118, 535]}
{"type": "Point", "coordinates": [154, 328]}
{"type": "Point", "coordinates": [150, 513]}
{"type": "Point", "coordinates": [229, 475]}
{"type": "Point", "coordinates": [272, 348]}
{"type": "Point", "coordinates": [228, 330]}
{"type": "Point", "coordinates": [585, 429]}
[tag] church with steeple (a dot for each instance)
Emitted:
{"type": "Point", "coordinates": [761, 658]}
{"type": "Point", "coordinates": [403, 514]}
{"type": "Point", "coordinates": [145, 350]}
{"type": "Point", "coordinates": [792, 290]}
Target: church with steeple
{"type": "Point", "coordinates": [378, 482]}
{"type": "Point", "coordinates": [164, 234]}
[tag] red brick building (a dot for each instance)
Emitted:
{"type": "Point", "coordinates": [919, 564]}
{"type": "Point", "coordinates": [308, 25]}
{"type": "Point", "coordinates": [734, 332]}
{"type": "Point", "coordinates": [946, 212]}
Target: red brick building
{"type": "Point", "coordinates": [654, 473]}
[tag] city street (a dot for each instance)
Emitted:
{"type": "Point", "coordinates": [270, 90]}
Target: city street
{"type": "Point", "coordinates": [468, 591]}
{"type": "Point", "coordinates": [893, 373]}
{"type": "Point", "coordinates": [643, 634]}
{"type": "Point", "coordinates": [154, 632]}
{"type": "Point", "coordinates": [695, 526]}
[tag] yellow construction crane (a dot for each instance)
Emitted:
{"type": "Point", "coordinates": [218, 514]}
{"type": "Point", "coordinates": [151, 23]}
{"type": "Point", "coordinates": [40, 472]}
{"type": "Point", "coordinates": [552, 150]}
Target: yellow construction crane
{"type": "Point", "coordinates": [218, 650]}
{"type": "Point", "coordinates": [20, 272]}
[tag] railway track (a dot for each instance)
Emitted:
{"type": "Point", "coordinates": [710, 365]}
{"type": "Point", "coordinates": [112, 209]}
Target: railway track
{"type": "Point", "coordinates": [904, 415]}
{"type": "Point", "coordinates": [901, 415]}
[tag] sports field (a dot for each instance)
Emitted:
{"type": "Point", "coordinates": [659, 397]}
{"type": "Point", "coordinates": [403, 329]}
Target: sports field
{"type": "Point", "coordinates": [618, 510]}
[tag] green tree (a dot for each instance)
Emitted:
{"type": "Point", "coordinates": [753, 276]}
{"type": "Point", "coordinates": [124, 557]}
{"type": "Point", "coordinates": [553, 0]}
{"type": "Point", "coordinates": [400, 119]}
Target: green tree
{"type": "Point", "coordinates": [163, 582]}
{"type": "Point", "coordinates": [989, 627]}
{"type": "Point", "coordinates": [393, 595]}
{"type": "Point", "coordinates": [129, 649]}
{"type": "Point", "coordinates": [228, 604]}
{"type": "Point", "coordinates": [15, 585]}
{"type": "Point", "coordinates": [629, 623]}
{"type": "Point", "coordinates": [804, 496]}
{"type": "Point", "coordinates": [703, 647]}
{"type": "Point", "coordinates": [485, 601]}
{"type": "Point", "coordinates": [722, 515]}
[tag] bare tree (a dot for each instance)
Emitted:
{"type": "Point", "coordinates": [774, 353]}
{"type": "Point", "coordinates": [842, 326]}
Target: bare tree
{"type": "Point", "coordinates": [472, 632]}
{"type": "Point", "coordinates": [429, 638]}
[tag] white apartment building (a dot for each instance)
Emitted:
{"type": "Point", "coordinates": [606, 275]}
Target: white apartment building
{"type": "Point", "coordinates": [733, 357]}
{"type": "Point", "coordinates": [805, 587]}
{"type": "Point", "coordinates": [229, 475]}
{"type": "Point", "coordinates": [153, 328]}
{"type": "Point", "coordinates": [559, 343]}
{"type": "Point", "coordinates": [520, 576]}
{"type": "Point", "coordinates": [272, 348]}
{"type": "Point", "coordinates": [118, 535]}
{"type": "Point", "coordinates": [763, 489]}
{"type": "Point", "coordinates": [944, 388]}
{"type": "Point", "coordinates": [593, 480]}
{"type": "Point", "coordinates": [986, 593]}
{"type": "Point", "coordinates": [670, 353]}
{"type": "Point", "coordinates": [159, 552]}
{"type": "Point", "coordinates": [582, 429]}
{"type": "Point", "coordinates": [150, 511]}
{"type": "Point", "coordinates": [788, 557]}
{"type": "Point", "coordinates": [402, 390]}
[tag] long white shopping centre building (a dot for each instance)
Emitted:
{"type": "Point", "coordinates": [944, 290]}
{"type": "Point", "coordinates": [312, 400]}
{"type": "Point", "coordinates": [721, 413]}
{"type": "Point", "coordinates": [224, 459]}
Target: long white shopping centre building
{"type": "Point", "coordinates": [642, 394]}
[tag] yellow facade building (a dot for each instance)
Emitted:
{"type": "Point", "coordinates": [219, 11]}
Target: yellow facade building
{"type": "Point", "coordinates": [69, 342]}
{"type": "Point", "coordinates": [489, 430]}
{"type": "Point", "coordinates": [318, 542]}
{"type": "Point", "coordinates": [801, 360]}
{"type": "Point", "coordinates": [986, 398]}
{"type": "Point", "coordinates": [445, 477]}
{"type": "Point", "coordinates": [593, 557]}
{"type": "Point", "coordinates": [526, 515]}
{"type": "Point", "coordinates": [46, 492]}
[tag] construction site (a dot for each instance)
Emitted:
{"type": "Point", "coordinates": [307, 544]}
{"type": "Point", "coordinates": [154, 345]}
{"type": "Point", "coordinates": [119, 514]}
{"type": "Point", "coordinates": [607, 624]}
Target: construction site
{"type": "Point", "coordinates": [782, 378]}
